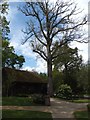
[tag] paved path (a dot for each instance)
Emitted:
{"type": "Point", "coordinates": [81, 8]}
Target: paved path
{"type": "Point", "coordinates": [63, 109]}
{"type": "Point", "coordinates": [58, 108]}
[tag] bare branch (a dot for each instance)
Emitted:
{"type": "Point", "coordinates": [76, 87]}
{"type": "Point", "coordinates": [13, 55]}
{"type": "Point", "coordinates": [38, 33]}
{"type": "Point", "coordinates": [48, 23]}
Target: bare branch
{"type": "Point", "coordinates": [40, 53]}
{"type": "Point", "coordinates": [67, 29]}
{"type": "Point", "coordinates": [37, 36]}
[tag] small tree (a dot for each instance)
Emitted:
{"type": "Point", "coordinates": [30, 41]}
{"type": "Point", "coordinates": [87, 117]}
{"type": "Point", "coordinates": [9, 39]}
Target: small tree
{"type": "Point", "coordinates": [50, 24]}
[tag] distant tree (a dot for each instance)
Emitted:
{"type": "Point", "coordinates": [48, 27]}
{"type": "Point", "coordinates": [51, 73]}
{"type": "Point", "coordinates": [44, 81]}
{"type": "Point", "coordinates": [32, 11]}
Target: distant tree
{"type": "Point", "coordinates": [9, 57]}
{"type": "Point", "coordinates": [50, 24]}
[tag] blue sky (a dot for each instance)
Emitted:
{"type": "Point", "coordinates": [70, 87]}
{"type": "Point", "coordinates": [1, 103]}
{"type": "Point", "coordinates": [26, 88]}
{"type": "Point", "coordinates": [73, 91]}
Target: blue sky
{"type": "Point", "coordinates": [17, 23]}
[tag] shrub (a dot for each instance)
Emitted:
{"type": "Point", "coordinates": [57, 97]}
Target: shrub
{"type": "Point", "coordinates": [64, 91]}
{"type": "Point", "coordinates": [38, 98]}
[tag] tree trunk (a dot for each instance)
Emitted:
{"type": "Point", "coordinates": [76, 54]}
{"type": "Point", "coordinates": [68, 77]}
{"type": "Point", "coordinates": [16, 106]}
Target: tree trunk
{"type": "Point", "coordinates": [49, 73]}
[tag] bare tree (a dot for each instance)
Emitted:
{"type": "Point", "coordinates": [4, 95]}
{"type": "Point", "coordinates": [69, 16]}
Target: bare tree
{"type": "Point", "coordinates": [49, 27]}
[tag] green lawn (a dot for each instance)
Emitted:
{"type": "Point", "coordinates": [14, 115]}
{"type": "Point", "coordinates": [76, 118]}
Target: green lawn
{"type": "Point", "coordinates": [76, 100]}
{"type": "Point", "coordinates": [81, 115]}
{"type": "Point", "coordinates": [25, 114]}
{"type": "Point", "coordinates": [80, 101]}
{"type": "Point", "coordinates": [18, 101]}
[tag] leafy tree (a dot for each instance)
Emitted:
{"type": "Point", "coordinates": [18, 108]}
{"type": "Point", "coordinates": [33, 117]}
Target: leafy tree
{"type": "Point", "coordinates": [50, 24]}
{"type": "Point", "coordinates": [83, 81]}
{"type": "Point", "coordinates": [70, 63]}
{"type": "Point", "coordinates": [4, 28]}
{"type": "Point", "coordinates": [9, 58]}
{"type": "Point", "coordinates": [68, 58]}
{"type": "Point", "coordinates": [4, 24]}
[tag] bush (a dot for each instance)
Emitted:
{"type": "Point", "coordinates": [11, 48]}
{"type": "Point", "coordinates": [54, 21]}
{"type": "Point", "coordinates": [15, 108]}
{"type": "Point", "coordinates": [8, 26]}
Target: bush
{"type": "Point", "coordinates": [64, 91]}
{"type": "Point", "coordinates": [38, 98]}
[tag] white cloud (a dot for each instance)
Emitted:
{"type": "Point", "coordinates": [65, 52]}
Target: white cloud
{"type": "Point", "coordinates": [83, 49]}
{"type": "Point", "coordinates": [25, 49]}
{"type": "Point", "coordinates": [41, 66]}
{"type": "Point", "coordinates": [28, 68]}
{"type": "Point", "coordinates": [12, 12]}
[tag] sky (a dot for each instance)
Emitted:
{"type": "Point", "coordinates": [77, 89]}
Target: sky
{"type": "Point", "coordinates": [17, 23]}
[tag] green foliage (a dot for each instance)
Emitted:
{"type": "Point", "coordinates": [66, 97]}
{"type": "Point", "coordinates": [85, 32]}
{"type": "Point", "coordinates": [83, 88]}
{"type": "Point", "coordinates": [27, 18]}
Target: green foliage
{"type": "Point", "coordinates": [38, 98]}
{"type": "Point", "coordinates": [4, 24]}
{"type": "Point", "coordinates": [64, 91]}
{"type": "Point", "coordinates": [5, 28]}
{"type": "Point", "coordinates": [69, 62]}
{"type": "Point", "coordinates": [57, 79]}
{"type": "Point", "coordinates": [4, 7]}
{"type": "Point", "coordinates": [9, 58]}
{"type": "Point", "coordinates": [82, 78]}
{"type": "Point", "coordinates": [68, 58]}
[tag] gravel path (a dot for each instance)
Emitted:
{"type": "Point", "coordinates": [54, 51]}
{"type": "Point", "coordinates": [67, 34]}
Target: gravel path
{"type": "Point", "coordinates": [58, 108]}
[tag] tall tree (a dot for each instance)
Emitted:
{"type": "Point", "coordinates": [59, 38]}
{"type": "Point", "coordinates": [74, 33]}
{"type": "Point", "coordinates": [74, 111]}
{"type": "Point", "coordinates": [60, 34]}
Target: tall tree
{"type": "Point", "coordinates": [51, 23]}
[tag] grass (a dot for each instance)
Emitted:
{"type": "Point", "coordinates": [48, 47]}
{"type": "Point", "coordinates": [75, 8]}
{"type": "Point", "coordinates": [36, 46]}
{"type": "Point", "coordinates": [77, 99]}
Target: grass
{"type": "Point", "coordinates": [76, 100]}
{"type": "Point", "coordinates": [83, 115]}
{"type": "Point", "coordinates": [18, 101]}
{"type": "Point", "coordinates": [25, 114]}
{"type": "Point", "coordinates": [80, 115]}
{"type": "Point", "coordinates": [80, 101]}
